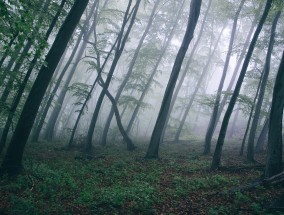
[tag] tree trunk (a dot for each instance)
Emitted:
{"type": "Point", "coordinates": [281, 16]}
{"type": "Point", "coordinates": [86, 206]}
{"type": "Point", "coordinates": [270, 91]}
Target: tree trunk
{"type": "Point", "coordinates": [34, 137]}
{"type": "Point", "coordinates": [129, 72]}
{"type": "Point", "coordinates": [262, 139]}
{"type": "Point", "coordinates": [250, 117]}
{"type": "Point", "coordinates": [213, 119]}
{"type": "Point", "coordinates": [274, 163]}
{"type": "Point", "coordinates": [12, 163]}
{"type": "Point", "coordinates": [250, 149]}
{"type": "Point", "coordinates": [153, 148]}
{"type": "Point", "coordinates": [122, 38]}
{"type": "Point", "coordinates": [220, 142]}
{"type": "Point", "coordinates": [182, 76]}
{"type": "Point", "coordinates": [238, 65]}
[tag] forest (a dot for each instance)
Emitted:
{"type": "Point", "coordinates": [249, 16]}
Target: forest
{"type": "Point", "coordinates": [141, 107]}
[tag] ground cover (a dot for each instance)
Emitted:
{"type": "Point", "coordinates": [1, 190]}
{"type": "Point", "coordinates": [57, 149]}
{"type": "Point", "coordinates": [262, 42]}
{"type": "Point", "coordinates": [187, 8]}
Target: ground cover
{"type": "Point", "coordinates": [115, 181]}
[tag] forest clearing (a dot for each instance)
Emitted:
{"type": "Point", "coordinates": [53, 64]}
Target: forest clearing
{"type": "Point", "coordinates": [114, 181]}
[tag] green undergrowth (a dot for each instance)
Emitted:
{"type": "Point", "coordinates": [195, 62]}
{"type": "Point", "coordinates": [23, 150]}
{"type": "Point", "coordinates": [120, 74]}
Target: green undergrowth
{"type": "Point", "coordinates": [115, 181]}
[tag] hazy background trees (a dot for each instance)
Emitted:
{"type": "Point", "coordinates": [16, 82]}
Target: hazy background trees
{"type": "Point", "coordinates": [122, 53]}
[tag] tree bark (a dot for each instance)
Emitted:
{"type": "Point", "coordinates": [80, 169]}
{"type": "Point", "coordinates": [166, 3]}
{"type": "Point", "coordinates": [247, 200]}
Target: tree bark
{"type": "Point", "coordinates": [221, 138]}
{"type": "Point", "coordinates": [153, 148]}
{"type": "Point", "coordinates": [12, 163]}
{"type": "Point", "coordinates": [274, 163]}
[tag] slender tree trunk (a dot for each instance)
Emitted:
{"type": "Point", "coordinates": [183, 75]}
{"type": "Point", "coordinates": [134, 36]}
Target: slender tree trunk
{"type": "Point", "coordinates": [238, 65]}
{"type": "Point", "coordinates": [129, 72]}
{"type": "Point", "coordinates": [197, 87]}
{"type": "Point", "coordinates": [250, 116]}
{"type": "Point", "coordinates": [129, 143]}
{"type": "Point", "coordinates": [233, 126]}
{"type": "Point", "coordinates": [213, 119]}
{"type": "Point", "coordinates": [122, 38]}
{"type": "Point", "coordinates": [165, 46]}
{"type": "Point", "coordinates": [189, 61]}
{"type": "Point", "coordinates": [220, 142]}
{"type": "Point", "coordinates": [12, 163]}
{"type": "Point", "coordinates": [262, 137]}
{"type": "Point", "coordinates": [153, 148]}
{"type": "Point", "coordinates": [250, 149]}
{"type": "Point", "coordinates": [274, 161]}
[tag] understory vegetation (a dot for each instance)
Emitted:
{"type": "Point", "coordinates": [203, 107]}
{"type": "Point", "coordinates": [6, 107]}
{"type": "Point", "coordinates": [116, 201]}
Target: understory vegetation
{"type": "Point", "coordinates": [115, 181]}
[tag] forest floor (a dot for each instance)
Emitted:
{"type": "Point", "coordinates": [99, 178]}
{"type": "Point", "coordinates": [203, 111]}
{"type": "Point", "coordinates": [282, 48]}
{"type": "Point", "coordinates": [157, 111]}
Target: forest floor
{"type": "Point", "coordinates": [116, 181]}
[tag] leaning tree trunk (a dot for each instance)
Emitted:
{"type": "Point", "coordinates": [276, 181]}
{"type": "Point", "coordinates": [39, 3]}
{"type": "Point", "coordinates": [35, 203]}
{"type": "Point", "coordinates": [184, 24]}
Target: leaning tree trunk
{"type": "Point", "coordinates": [122, 38]}
{"type": "Point", "coordinates": [274, 162]}
{"type": "Point", "coordinates": [213, 119]}
{"type": "Point", "coordinates": [183, 75]}
{"type": "Point", "coordinates": [153, 148]}
{"type": "Point", "coordinates": [129, 72]}
{"type": "Point", "coordinates": [251, 139]}
{"type": "Point", "coordinates": [12, 163]}
{"type": "Point", "coordinates": [220, 142]}
{"type": "Point", "coordinates": [239, 62]}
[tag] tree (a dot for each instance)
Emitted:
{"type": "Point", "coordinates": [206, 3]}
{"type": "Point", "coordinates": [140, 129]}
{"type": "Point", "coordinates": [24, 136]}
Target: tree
{"type": "Point", "coordinates": [85, 33]}
{"type": "Point", "coordinates": [160, 123]}
{"type": "Point", "coordinates": [213, 119]}
{"type": "Point", "coordinates": [131, 66]}
{"type": "Point", "coordinates": [189, 61]}
{"type": "Point", "coordinates": [130, 14]}
{"type": "Point", "coordinates": [274, 162]}
{"type": "Point", "coordinates": [22, 86]}
{"type": "Point", "coordinates": [221, 138]}
{"type": "Point", "coordinates": [166, 43]}
{"type": "Point", "coordinates": [198, 85]}
{"type": "Point", "coordinates": [12, 163]}
{"type": "Point", "coordinates": [250, 149]}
